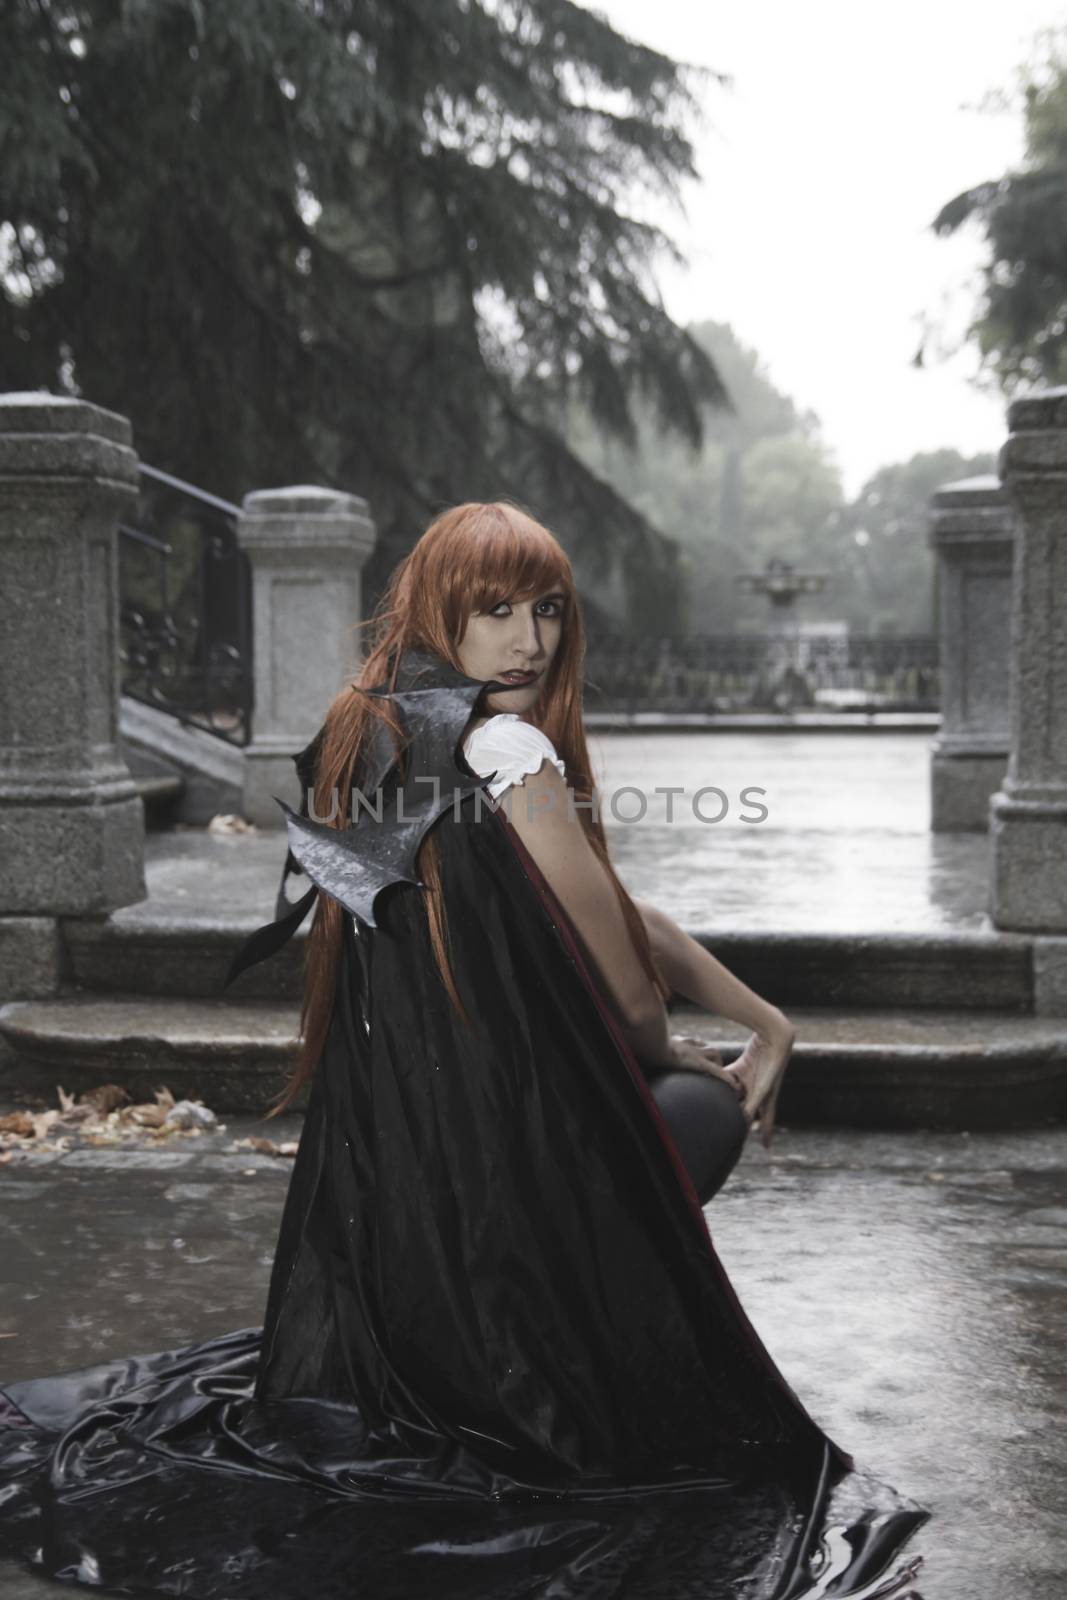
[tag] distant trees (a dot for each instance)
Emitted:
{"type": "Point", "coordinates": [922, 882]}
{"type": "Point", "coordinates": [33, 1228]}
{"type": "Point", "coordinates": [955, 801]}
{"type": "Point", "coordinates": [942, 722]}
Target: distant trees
{"type": "Point", "coordinates": [762, 484]}
{"type": "Point", "coordinates": [886, 565]}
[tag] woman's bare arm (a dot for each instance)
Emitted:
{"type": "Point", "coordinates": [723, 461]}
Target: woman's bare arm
{"type": "Point", "coordinates": [549, 827]}
{"type": "Point", "coordinates": [696, 975]}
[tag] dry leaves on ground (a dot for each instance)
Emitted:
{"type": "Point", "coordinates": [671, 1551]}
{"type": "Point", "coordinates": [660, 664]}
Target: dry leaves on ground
{"type": "Point", "coordinates": [105, 1115]}
{"type": "Point", "coordinates": [228, 822]}
{"type": "Point", "coordinates": [265, 1147]}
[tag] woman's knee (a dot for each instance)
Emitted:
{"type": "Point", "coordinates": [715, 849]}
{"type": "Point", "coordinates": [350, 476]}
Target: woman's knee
{"type": "Point", "coordinates": [706, 1122]}
{"type": "Point", "coordinates": [731, 1130]}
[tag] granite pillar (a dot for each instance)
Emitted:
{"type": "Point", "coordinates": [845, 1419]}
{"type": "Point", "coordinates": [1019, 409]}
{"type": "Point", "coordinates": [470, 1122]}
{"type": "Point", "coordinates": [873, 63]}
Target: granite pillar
{"type": "Point", "coordinates": [971, 529]}
{"type": "Point", "coordinates": [71, 821]}
{"type": "Point", "coordinates": [1028, 815]}
{"type": "Point", "coordinates": [307, 547]}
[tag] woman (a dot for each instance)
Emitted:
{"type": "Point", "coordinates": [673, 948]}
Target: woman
{"type": "Point", "coordinates": [636, 968]}
{"type": "Point", "coordinates": [500, 1356]}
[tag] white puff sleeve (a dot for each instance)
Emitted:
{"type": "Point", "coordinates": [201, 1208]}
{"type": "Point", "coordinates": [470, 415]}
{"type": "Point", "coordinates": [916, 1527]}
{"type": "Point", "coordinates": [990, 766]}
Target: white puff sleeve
{"type": "Point", "coordinates": [511, 748]}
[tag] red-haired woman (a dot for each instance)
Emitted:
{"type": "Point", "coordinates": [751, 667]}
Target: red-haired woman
{"type": "Point", "coordinates": [500, 1356]}
{"type": "Point", "coordinates": [490, 591]}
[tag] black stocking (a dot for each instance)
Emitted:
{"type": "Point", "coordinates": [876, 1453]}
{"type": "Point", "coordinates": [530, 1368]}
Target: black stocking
{"type": "Point", "coordinates": [706, 1122]}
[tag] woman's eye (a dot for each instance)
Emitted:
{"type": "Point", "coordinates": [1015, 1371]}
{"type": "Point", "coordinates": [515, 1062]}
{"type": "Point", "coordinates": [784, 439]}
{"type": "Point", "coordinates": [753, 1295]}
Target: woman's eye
{"type": "Point", "coordinates": [555, 608]}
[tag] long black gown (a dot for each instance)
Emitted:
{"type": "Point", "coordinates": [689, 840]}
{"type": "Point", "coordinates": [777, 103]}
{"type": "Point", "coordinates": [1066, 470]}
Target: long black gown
{"type": "Point", "coordinates": [500, 1357]}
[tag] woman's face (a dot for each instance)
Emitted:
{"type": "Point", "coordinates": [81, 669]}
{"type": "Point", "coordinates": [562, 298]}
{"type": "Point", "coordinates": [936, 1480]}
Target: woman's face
{"type": "Point", "coordinates": [513, 636]}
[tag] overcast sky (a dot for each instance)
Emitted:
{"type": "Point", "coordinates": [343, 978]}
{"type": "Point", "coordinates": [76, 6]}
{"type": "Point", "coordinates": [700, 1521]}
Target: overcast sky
{"type": "Point", "coordinates": [846, 128]}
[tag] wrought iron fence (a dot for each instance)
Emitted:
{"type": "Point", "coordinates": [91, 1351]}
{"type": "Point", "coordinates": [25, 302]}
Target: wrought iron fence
{"type": "Point", "coordinates": [721, 673]}
{"type": "Point", "coordinates": [185, 623]}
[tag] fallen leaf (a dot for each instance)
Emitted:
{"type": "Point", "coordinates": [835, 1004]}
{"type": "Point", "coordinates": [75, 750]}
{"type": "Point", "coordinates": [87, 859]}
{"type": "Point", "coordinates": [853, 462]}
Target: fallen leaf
{"type": "Point", "coordinates": [106, 1097]}
{"type": "Point", "coordinates": [228, 822]}
{"type": "Point", "coordinates": [18, 1122]}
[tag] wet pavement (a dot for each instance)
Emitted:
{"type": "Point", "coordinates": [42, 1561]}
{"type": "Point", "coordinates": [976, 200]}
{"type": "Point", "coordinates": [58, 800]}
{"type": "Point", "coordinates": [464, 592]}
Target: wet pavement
{"type": "Point", "coordinates": [912, 1287]}
{"type": "Point", "coordinates": [844, 847]}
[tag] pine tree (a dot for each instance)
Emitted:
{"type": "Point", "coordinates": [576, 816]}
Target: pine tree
{"type": "Point", "coordinates": [376, 244]}
{"type": "Point", "coordinates": [1020, 327]}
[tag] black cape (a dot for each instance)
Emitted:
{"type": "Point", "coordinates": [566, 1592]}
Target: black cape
{"type": "Point", "coordinates": [500, 1357]}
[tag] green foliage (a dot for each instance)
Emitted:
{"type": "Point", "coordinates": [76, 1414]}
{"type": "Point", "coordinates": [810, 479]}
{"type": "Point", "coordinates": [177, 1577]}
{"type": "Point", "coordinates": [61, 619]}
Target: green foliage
{"type": "Point", "coordinates": [1021, 324]}
{"type": "Point", "coordinates": [379, 244]}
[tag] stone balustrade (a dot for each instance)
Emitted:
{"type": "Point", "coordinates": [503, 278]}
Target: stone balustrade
{"type": "Point", "coordinates": [307, 547]}
{"type": "Point", "coordinates": [971, 529]}
{"type": "Point", "coordinates": [71, 820]}
{"type": "Point", "coordinates": [1028, 814]}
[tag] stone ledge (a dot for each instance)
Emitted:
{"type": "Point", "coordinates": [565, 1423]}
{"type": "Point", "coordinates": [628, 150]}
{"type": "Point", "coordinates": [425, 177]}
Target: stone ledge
{"type": "Point", "coordinates": [909, 1069]}
{"type": "Point", "coordinates": [961, 1070]}
{"type": "Point", "coordinates": [171, 948]}
{"type": "Point", "coordinates": [211, 770]}
{"type": "Point", "coordinates": [1050, 976]}
{"type": "Point", "coordinates": [42, 412]}
{"type": "Point", "coordinates": [233, 1057]}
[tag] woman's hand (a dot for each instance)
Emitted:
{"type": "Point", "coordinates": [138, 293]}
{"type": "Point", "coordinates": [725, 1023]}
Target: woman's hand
{"type": "Point", "coordinates": [696, 1055]}
{"type": "Point", "coordinates": [759, 1069]}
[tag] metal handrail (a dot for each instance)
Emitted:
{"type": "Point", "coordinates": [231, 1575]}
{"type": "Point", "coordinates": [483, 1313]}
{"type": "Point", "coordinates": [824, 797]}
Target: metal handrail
{"type": "Point", "coordinates": [190, 489]}
{"type": "Point", "coordinates": [185, 618]}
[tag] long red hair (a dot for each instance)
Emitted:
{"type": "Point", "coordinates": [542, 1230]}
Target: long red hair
{"type": "Point", "coordinates": [470, 558]}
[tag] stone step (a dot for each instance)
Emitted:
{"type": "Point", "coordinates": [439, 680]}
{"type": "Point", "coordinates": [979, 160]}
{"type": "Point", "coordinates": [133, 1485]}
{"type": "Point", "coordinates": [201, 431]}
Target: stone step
{"type": "Point", "coordinates": [180, 956]}
{"type": "Point", "coordinates": [963, 969]}
{"type": "Point", "coordinates": [145, 950]}
{"type": "Point", "coordinates": [950, 1070]}
{"type": "Point", "coordinates": [233, 1056]}
{"type": "Point", "coordinates": [911, 1069]}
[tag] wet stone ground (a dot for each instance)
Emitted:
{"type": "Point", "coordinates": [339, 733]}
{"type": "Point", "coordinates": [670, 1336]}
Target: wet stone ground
{"type": "Point", "coordinates": [795, 832]}
{"type": "Point", "coordinates": [912, 1287]}
{"type": "Point", "coordinates": [834, 837]}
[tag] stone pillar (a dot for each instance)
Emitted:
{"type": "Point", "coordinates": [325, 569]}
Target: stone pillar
{"type": "Point", "coordinates": [307, 547]}
{"type": "Point", "coordinates": [971, 529]}
{"type": "Point", "coordinates": [71, 821]}
{"type": "Point", "coordinates": [1028, 816]}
